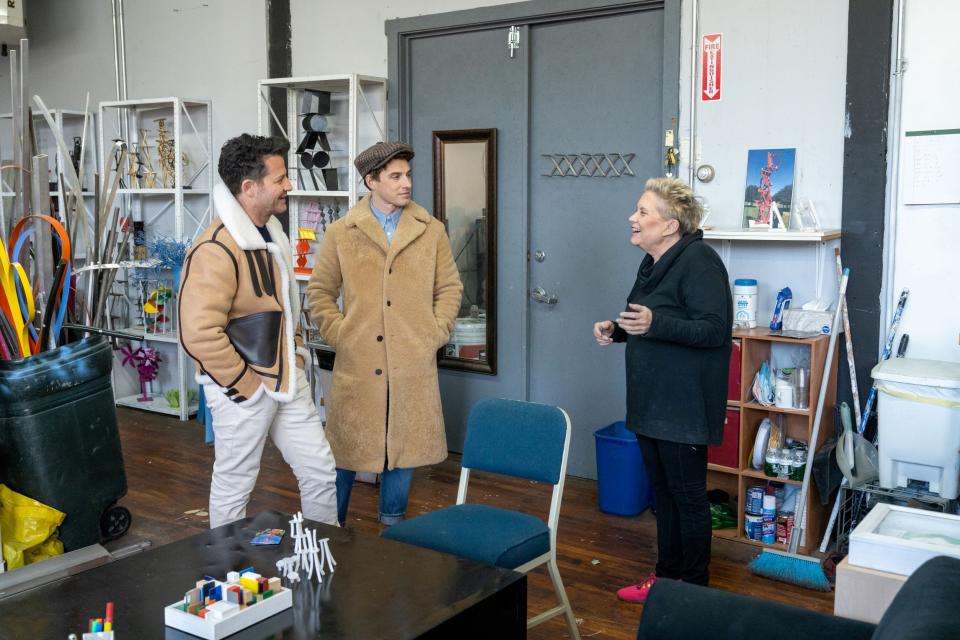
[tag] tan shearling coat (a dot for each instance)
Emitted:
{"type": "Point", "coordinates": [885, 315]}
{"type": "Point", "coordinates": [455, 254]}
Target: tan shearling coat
{"type": "Point", "coordinates": [399, 306]}
{"type": "Point", "coordinates": [239, 307]}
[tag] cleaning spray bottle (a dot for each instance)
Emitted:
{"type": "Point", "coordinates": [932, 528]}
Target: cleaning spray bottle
{"type": "Point", "coordinates": [783, 303]}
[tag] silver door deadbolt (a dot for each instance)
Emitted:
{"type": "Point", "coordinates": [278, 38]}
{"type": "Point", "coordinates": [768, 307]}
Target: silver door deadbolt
{"type": "Point", "coordinates": [539, 256]}
{"type": "Point", "coordinates": [705, 173]}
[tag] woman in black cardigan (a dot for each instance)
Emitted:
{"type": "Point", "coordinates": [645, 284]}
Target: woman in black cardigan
{"type": "Point", "coordinates": [677, 327]}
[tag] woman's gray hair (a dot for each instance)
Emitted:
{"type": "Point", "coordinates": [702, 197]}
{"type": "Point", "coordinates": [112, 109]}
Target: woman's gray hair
{"type": "Point", "coordinates": [678, 202]}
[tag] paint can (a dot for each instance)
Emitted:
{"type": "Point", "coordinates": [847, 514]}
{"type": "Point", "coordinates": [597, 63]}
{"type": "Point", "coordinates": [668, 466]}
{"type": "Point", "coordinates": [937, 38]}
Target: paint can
{"type": "Point", "coordinates": [768, 532]}
{"type": "Point", "coordinates": [755, 500]}
{"type": "Point", "coordinates": [470, 337]}
{"type": "Point", "coordinates": [753, 525]}
{"type": "Point", "coordinates": [784, 527]}
{"type": "Point", "coordinates": [769, 512]}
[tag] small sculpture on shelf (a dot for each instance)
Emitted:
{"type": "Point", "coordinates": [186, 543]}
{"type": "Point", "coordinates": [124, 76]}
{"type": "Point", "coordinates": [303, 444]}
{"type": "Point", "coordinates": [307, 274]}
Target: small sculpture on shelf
{"type": "Point", "coordinates": [154, 308]}
{"type": "Point", "coordinates": [150, 175]}
{"type": "Point", "coordinates": [170, 253]}
{"type": "Point", "coordinates": [302, 251]}
{"type": "Point", "coordinates": [173, 398]}
{"type": "Point", "coordinates": [146, 360]}
{"type": "Point", "coordinates": [166, 153]}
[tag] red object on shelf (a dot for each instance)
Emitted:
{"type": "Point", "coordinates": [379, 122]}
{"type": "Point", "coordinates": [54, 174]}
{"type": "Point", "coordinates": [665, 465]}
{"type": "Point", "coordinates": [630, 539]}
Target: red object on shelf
{"type": "Point", "coordinates": [725, 453]}
{"type": "Point", "coordinates": [733, 382]}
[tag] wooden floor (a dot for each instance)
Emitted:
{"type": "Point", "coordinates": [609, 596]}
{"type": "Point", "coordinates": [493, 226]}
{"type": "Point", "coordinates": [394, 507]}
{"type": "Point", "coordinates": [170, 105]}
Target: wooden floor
{"type": "Point", "coordinates": [168, 472]}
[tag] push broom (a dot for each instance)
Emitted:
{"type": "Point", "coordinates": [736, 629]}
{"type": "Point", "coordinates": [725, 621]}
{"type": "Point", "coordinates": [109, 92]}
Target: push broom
{"type": "Point", "coordinates": [790, 566]}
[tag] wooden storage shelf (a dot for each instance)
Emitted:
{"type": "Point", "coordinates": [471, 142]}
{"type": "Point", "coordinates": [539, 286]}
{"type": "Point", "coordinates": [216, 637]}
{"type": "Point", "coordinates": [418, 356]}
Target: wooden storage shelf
{"type": "Point", "coordinates": [756, 346]}
{"type": "Point", "coordinates": [721, 468]}
{"type": "Point", "coordinates": [728, 534]}
{"type": "Point", "coordinates": [760, 475]}
{"type": "Point", "coordinates": [760, 407]}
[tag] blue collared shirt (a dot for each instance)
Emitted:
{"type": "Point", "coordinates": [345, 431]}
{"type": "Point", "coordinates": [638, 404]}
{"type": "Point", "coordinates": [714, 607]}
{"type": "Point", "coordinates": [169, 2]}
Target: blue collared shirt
{"type": "Point", "coordinates": [389, 222]}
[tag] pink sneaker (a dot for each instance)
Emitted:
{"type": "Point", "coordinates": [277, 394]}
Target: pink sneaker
{"type": "Point", "coordinates": [637, 593]}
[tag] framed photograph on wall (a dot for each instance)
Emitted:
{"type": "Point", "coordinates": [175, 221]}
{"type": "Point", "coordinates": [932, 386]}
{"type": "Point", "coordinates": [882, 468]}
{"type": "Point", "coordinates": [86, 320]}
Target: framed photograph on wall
{"type": "Point", "coordinates": [768, 196]}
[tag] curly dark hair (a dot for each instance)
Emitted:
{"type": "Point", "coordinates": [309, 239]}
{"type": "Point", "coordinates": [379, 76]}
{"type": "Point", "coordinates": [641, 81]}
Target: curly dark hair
{"type": "Point", "coordinates": [242, 158]}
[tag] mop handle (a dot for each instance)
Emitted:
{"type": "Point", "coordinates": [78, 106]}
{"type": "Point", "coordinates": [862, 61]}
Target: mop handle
{"type": "Point", "coordinates": [811, 449]}
{"type": "Point", "coordinates": [884, 355]}
{"type": "Point", "coordinates": [848, 334]}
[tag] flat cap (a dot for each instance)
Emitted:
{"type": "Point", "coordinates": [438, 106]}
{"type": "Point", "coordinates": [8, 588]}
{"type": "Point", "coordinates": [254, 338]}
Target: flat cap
{"type": "Point", "coordinates": [378, 155]}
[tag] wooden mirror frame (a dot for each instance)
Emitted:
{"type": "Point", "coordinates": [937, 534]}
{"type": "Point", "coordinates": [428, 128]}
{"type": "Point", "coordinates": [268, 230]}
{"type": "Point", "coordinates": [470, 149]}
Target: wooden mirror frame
{"type": "Point", "coordinates": [488, 137]}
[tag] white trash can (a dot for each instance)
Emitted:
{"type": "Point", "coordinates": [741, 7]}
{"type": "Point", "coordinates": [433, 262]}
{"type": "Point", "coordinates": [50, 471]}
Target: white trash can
{"type": "Point", "coordinates": [918, 404]}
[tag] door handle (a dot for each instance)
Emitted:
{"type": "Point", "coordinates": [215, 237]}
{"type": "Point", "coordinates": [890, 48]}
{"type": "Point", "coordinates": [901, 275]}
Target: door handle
{"type": "Point", "coordinates": [542, 296]}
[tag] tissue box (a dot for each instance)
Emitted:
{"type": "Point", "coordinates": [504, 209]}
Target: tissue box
{"type": "Point", "coordinates": [807, 321]}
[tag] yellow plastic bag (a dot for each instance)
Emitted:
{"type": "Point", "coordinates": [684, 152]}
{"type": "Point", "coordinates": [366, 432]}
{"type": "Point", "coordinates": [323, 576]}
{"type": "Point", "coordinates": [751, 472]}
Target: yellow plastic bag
{"type": "Point", "coordinates": [28, 529]}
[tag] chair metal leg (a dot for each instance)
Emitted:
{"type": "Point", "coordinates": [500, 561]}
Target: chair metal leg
{"type": "Point", "coordinates": [562, 596]}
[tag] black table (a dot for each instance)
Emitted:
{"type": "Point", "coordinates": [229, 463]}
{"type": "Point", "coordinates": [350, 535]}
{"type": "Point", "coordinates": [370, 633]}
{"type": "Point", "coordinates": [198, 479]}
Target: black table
{"type": "Point", "coordinates": [380, 590]}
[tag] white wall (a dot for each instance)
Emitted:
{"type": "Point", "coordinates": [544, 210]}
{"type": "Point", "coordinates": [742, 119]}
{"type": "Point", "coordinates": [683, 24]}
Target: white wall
{"type": "Point", "coordinates": [214, 49]}
{"type": "Point", "coordinates": [784, 85]}
{"type": "Point", "coordinates": [345, 37]}
{"type": "Point", "coordinates": [216, 52]}
{"type": "Point", "coordinates": [923, 238]}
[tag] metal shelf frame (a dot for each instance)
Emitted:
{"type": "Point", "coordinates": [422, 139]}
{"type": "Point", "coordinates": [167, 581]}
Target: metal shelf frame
{"type": "Point", "coordinates": [123, 119]}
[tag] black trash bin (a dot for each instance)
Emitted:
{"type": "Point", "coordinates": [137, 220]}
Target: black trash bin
{"type": "Point", "coordinates": [59, 442]}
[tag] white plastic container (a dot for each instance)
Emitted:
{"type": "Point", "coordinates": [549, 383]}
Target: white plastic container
{"type": "Point", "coordinates": [745, 303]}
{"type": "Point", "coordinates": [469, 338]}
{"type": "Point", "coordinates": [899, 539]}
{"type": "Point", "coordinates": [918, 404]}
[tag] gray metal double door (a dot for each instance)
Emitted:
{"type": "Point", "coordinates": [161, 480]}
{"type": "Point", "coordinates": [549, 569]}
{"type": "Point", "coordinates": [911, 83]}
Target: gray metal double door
{"type": "Point", "coordinates": [579, 96]}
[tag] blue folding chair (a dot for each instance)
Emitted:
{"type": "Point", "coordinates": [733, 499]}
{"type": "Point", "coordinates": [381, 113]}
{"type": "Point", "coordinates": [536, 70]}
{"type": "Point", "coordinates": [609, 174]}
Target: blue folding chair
{"type": "Point", "coordinates": [512, 438]}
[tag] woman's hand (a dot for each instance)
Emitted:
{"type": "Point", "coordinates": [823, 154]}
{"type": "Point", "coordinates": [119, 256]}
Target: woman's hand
{"type": "Point", "coordinates": [636, 322]}
{"type": "Point", "coordinates": [603, 332]}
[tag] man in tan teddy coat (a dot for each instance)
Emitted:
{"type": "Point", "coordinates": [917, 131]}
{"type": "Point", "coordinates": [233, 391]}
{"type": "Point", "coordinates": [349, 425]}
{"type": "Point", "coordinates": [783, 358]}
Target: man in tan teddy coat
{"type": "Point", "coordinates": [391, 262]}
{"type": "Point", "coordinates": [239, 311]}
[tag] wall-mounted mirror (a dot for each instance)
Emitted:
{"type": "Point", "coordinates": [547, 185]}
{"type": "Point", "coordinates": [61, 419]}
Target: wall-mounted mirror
{"type": "Point", "coordinates": [465, 200]}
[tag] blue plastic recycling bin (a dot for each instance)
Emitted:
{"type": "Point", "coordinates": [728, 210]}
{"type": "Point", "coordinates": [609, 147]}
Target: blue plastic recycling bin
{"type": "Point", "coordinates": [624, 488]}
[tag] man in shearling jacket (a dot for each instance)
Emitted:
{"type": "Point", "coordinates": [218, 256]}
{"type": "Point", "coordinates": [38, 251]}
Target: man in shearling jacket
{"type": "Point", "coordinates": [391, 261]}
{"type": "Point", "coordinates": [239, 312]}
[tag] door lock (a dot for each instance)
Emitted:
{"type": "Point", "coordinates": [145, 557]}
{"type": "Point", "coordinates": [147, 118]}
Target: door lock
{"type": "Point", "coordinates": [539, 256]}
{"type": "Point", "coordinates": [542, 296]}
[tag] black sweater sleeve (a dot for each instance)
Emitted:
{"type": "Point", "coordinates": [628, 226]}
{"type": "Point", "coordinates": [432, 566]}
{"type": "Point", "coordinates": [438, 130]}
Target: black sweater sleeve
{"type": "Point", "coordinates": [704, 289]}
{"type": "Point", "coordinates": [619, 335]}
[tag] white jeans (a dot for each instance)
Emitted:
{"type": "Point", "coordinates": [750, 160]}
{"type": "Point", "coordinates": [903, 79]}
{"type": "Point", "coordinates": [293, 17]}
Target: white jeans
{"type": "Point", "coordinates": [240, 433]}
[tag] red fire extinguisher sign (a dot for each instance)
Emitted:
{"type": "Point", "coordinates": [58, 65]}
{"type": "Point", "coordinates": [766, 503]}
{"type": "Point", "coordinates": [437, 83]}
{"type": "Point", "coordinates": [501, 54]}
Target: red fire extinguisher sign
{"type": "Point", "coordinates": [711, 57]}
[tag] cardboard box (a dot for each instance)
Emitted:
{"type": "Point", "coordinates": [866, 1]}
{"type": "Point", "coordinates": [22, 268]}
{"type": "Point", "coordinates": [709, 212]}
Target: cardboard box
{"type": "Point", "coordinates": [864, 594]}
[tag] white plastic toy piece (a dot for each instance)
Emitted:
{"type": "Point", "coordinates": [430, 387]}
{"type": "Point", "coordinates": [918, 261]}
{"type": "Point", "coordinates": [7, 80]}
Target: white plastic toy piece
{"type": "Point", "coordinates": [309, 554]}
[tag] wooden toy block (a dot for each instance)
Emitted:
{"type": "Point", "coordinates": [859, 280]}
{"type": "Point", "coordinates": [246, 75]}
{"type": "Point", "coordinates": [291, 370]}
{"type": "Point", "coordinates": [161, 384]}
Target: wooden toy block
{"type": "Point", "coordinates": [250, 583]}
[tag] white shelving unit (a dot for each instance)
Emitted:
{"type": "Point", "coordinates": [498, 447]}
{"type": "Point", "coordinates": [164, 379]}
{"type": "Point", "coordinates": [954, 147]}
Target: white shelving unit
{"type": "Point", "coordinates": [180, 209]}
{"type": "Point", "coordinates": [70, 122]}
{"type": "Point", "coordinates": [819, 240]}
{"type": "Point", "coordinates": [357, 119]}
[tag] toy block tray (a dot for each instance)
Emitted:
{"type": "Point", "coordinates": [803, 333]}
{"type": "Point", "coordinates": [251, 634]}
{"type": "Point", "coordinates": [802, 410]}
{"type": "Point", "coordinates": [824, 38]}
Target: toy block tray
{"type": "Point", "coordinates": [217, 629]}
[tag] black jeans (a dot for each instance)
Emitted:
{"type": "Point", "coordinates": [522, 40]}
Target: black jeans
{"type": "Point", "coordinates": [678, 473]}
